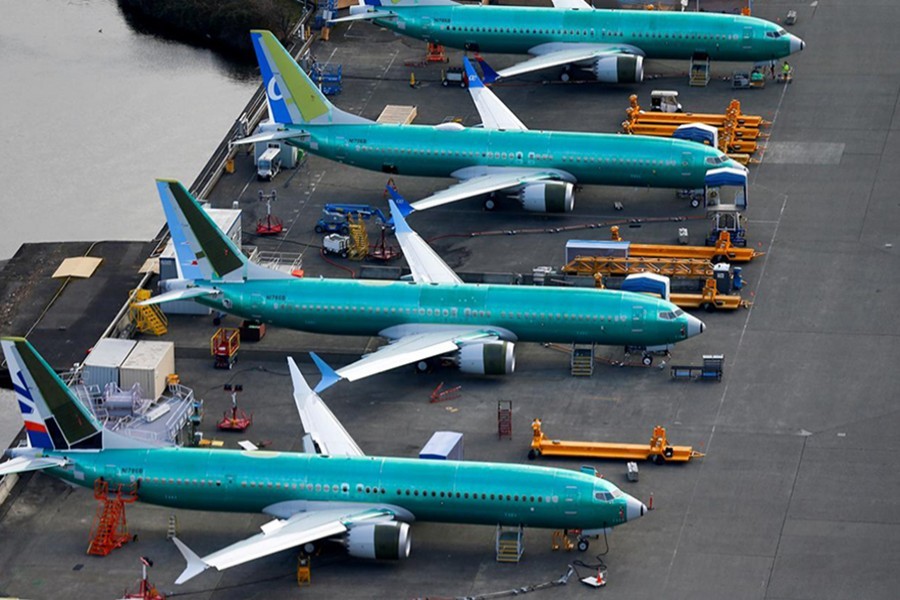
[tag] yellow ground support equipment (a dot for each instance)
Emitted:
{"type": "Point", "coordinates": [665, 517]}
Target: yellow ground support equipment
{"type": "Point", "coordinates": [359, 238]}
{"type": "Point", "coordinates": [658, 450]}
{"type": "Point", "coordinates": [723, 250]}
{"type": "Point", "coordinates": [147, 319]}
{"type": "Point", "coordinates": [304, 569]}
{"type": "Point", "coordinates": [224, 345]}
{"type": "Point", "coordinates": [733, 112]}
{"type": "Point", "coordinates": [695, 268]}
{"type": "Point", "coordinates": [709, 299]}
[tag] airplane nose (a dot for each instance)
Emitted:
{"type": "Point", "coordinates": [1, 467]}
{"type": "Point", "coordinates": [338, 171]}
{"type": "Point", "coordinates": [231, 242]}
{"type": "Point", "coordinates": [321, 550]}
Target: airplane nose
{"type": "Point", "coordinates": [634, 508]}
{"type": "Point", "coordinates": [797, 45]}
{"type": "Point", "coordinates": [694, 326]}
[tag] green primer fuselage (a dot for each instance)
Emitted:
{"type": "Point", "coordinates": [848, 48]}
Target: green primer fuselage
{"type": "Point", "coordinates": [592, 158]}
{"type": "Point", "coordinates": [528, 313]}
{"type": "Point", "coordinates": [431, 490]}
{"type": "Point", "coordinates": [657, 34]}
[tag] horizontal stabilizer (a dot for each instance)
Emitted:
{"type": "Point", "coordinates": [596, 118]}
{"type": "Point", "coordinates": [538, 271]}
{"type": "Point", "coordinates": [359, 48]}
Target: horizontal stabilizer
{"type": "Point", "coordinates": [174, 295]}
{"type": "Point", "coordinates": [23, 464]}
{"type": "Point", "coordinates": [271, 136]}
{"type": "Point", "coordinates": [366, 16]}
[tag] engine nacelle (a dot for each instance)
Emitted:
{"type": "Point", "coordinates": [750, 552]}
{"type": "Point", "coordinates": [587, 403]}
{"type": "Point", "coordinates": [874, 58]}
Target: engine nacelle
{"type": "Point", "coordinates": [624, 68]}
{"type": "Point", "coordinates": [489, 358]}
{"type": "Point", "coordinates": [550, 197]}
{"type": "Point", "coordinates": [384, 541]}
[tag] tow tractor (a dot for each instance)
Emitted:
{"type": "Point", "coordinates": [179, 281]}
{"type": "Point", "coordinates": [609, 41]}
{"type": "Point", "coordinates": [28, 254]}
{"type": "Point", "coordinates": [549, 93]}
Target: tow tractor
{"type": "Point", "coordinates": [335, 217]}
{"type": "Point", "coordinates": [665, 101]}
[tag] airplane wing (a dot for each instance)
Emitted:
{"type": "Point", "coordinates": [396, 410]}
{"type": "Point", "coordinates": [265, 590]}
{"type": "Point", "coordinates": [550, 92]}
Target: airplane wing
{"type": "Point", "coordinates": [319, 422]}
{"type": "Point", "coordinates": [566, 56]}
{"type": "Point", "coordinates": [22, 464]}
{"type": "Point", "coordinates": [579, 4]}
{"type": "Point", "coordinates": [280, 535]}
{"type": "Point", "coordinates": [364, 16]}
{"type": "Point", "coordinates": [271, 136]}
{"type": "Point", "coordinates": [403, 351]}
{"type": "Point", "coordinates": [493, 180]}
{"type": "Point", "coordinates": [494, 114]}
{"type": "Point", "coordinates": [423, 261]}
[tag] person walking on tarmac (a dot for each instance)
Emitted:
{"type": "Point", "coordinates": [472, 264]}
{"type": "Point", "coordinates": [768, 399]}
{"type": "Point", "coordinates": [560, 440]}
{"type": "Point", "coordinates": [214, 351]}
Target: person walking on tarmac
{"type": "Point", "coordinates": [785, 71]}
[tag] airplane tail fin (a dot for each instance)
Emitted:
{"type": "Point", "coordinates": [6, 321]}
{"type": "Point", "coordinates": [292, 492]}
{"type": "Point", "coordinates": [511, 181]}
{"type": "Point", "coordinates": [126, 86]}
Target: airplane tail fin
{"type": "Point", "coordinates": [202, 250]}
{"type": "Point", "coordinates": [54, 418]}
{"type": "Point", "coordinates": [489, 75]}
{"type": "Point", "coordinates": [292, 96]}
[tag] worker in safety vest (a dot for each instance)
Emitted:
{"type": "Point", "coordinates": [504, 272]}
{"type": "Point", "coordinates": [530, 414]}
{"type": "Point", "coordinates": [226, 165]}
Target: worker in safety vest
{"type": "Point", "coordinates": [785, 69]}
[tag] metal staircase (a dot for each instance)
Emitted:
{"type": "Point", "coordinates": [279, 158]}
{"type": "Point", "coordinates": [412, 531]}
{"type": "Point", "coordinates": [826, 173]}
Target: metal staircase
{"type": "Point", "coordinates": [359, 238]}
{"type": "Point", "coordinates": [147, 319]}
{"type": "Point", "coordinates": [110, 531]}
{"type": "Point", "coordinates": [510, 545]}
{"type": "Point", "coordinates": [582, 363]}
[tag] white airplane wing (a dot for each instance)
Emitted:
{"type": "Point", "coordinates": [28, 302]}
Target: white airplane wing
{"type": "Point", "coordinates": [423, 261]}
{"type": "Point", "coordinates": [557, 58]}
{"type": "Point", "coordinates": [364, 16]}
{"type": "Point", "coordinates": [579, 4]}
{"type": "Point", "coordinates": [22, 464]}
{"type": "Point", "coordinates": [280, 535]}
{"type": "Point", "coordinates": [318, 421]}
{"type": "Point", "coordinates": [493, 180]}
{"type": "Point", "coordinates": [402, 351]}
{"type": "Point", "coordinates": [185, 294]}
{"type": "Point", "coordinates": [494, 114]}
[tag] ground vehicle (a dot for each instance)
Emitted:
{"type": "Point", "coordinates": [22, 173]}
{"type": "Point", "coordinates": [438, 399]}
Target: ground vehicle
{"type": "Point", "coordinates": [664, 101]}
{"type": "Point", "coordinates": [335, 243]}
{"type": "Point", "coordinates": [454, 76]}
{"type": "Point", "coordinates": [335, 216]}
{"type": "Point", "coordinates": [269, 164]}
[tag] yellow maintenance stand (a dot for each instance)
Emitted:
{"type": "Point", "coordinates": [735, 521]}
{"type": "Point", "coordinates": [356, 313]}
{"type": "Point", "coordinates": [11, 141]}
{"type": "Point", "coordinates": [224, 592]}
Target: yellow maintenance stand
{"type": "Point", "coordinates": [723, 250]}
{"type": "Point", "coordinates": [658, 450]}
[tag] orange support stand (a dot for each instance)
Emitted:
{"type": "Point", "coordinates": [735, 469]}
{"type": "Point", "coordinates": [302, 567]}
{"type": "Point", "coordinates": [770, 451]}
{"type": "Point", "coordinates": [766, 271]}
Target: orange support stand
{"type": "Point", "coordinates": [110, 530]}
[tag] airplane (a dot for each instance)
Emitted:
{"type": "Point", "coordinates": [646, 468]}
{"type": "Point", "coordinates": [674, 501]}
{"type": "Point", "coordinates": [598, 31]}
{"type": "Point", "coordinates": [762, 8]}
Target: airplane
{"type": "Point", "coordinates": [434, 315]}
{"type": "Point", "coordinates": [335, 493]}
{"type": "Point", "coordinates": [611, 44]}
{"type": "Point", "coordinates": [540, 167]}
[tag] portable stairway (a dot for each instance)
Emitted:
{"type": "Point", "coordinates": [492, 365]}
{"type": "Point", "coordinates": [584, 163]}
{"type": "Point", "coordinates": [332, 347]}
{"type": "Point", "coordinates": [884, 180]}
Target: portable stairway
{"type": "Point", "coordinates": [359, 238]}
{"type": "Point", "coordinates": [147, 319]}
{"type": "Point", "coordinates": [110, 530]}
{"type": "Point", "coordinates": [510, 545]}
{"type": "Point", "coordinates": [699, 70]}
{"type": "Point", "coordinates": [582, 363]}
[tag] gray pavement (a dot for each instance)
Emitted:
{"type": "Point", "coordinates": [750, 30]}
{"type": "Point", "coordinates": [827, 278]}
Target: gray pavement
{"type": "Point", "coordinates": [797, 497]}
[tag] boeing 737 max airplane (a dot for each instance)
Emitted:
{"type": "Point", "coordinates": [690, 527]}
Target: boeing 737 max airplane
{"type": "Point", "coordinates": [611, 44]}
{"type": "Point", "coordinates": [435, 314]}
{"type": "Point", "coordinates": [366, 502]}
{"type": "Point", "coordinates": [541, 167]}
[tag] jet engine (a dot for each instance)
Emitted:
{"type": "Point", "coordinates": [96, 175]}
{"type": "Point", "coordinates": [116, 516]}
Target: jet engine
{"type": "Point", "coordinates": [383, 541]}
{"type": "Point", "coordinates": [489, 358]}
{"type": "Point", "coordinates": [623, 68]}
{"type": "Point", "coordinates": [550, 197]}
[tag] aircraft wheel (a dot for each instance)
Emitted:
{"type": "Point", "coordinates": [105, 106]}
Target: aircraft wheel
{"type": "Point", "coordinates": [565, 76]}
{"type": "Point", "coordinates": [695, 202]}
{"type": "Point", "coordinates": [583, 545]}
{"type": "Point", "coordinates": [422, 366]}
{"type": "Point", "coordinates": [490, 204]}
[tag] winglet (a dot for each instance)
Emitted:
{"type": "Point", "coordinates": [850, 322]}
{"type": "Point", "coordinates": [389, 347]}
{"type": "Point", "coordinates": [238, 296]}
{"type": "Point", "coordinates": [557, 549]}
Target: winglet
{"type": "Point", "coordinates": [400, 224]}
{"type": "Point", "coordinates": [195, 564]}
{"type": "Point", "coordinates": [403, 207]}
{"type": "Point", "coordinates": [472, 74]}
{"type": "Point", "coordinates": [490, 75]}
{"type": "Point", "coordinates": [329, 376]}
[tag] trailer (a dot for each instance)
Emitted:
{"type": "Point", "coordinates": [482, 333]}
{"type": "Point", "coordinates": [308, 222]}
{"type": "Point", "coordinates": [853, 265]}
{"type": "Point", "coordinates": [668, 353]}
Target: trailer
{"type": "Point", "coordinates": [658, 450]}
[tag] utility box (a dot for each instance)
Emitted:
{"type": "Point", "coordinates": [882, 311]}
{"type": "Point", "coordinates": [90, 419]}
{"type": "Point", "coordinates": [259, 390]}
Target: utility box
{"type": "Point", "coordinates": [443, 445]}
{"type": "Point", "coordinates": [632, 471]}
{"type": "Point", "coordinates": [722, 275]}
{"type": "Point", "coordinates": [148, 364]}
{"type": "Point", "coordinates": [101, 366]}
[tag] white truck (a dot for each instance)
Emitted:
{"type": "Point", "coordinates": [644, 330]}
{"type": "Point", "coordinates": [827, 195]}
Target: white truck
{"type": "Point", "coordinates": [269, 164]}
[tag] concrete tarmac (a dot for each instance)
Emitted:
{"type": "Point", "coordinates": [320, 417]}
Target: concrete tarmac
{"type": "Point", "coordinates": [797, 496]}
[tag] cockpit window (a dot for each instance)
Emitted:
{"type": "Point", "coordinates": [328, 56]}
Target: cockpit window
{"type": "Point", "coordinates": [678, 312]}
{"type": "Point", "coordinates": [776, 34]}
{"type": "Point", "coordinates": [716, 160]}
{"type": "Point", "coordinates": [667, 315]}
{"type": "Point", "coordinates": [603, 496]}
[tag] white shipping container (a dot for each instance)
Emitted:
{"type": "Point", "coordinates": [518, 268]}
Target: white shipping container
{"type": "Point", "coordinates": [102, 365]}
{"type": "Point", "coordinates": [148, 364]}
